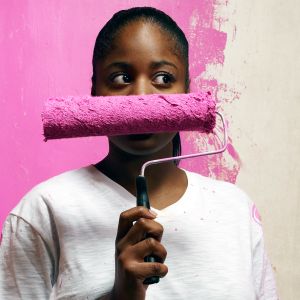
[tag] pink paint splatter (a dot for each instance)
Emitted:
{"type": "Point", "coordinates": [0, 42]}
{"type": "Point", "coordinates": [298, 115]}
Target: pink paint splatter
{"type": "Point", "coordinates": [255, 214]}
{"type": "Point", "coordinates": [207, 46]}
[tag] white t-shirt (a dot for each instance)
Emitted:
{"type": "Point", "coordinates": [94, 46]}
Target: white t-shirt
{"type": "Point", "coordinates": [59, 242]}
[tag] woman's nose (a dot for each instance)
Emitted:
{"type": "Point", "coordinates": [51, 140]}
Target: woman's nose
{"type": "Point", "coordinates": [142, 86]}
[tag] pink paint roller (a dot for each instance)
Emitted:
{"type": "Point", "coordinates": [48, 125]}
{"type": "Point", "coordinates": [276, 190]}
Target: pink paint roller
{"type": "Point", "coordinates": [66, 117]}
{"type": "Point", "coordinates": [122, 115]}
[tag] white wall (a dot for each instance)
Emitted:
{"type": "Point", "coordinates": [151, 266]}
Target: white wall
{"type": "Point", "coordinates": [262, 61]}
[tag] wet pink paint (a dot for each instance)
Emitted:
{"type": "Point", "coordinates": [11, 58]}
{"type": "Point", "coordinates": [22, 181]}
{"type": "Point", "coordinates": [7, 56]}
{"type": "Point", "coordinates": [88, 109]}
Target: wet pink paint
{"type": "Point", "coordinates": [82, 116]}
{"type": "Point", "coordinates": [207, 46]}
{"type": "Point", "coordinates": [46, 50]}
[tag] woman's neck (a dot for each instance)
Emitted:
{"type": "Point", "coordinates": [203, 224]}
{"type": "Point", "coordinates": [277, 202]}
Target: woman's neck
{"type": "Point", "coordinates": [123, 168]}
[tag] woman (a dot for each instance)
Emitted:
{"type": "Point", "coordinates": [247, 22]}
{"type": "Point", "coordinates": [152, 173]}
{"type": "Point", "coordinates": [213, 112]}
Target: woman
{"type": "Point", "coordinates": [80, 236]}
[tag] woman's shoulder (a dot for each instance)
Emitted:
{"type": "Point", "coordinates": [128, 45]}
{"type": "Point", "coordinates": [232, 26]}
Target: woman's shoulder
{"type": "Point", "coordinates": [210, 183]}
{"type": "Point", "coordinates": [40, 199]}
{"type": "Point", "coordinates": [69, 178]}
{"type": "Point", "coordinates": [226, 198]}
{"type": "Point", "coordinates": [61, 181]}
{"type": "Point", "coordinates": [218, 190]}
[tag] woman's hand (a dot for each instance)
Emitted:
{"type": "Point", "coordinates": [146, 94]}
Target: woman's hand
{"type": "Point", "coordinates": [131, 248]}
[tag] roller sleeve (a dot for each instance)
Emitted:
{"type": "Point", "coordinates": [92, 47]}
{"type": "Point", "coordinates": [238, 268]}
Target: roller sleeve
{"type": "Point", "coordinates": [68, 117]}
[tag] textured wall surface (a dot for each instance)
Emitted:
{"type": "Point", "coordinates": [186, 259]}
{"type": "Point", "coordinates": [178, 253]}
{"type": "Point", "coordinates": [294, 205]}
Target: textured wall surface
{"type": "Point", "coordinates": [245, 52]}
{"type": "Point", "coordinates": [264, 63]}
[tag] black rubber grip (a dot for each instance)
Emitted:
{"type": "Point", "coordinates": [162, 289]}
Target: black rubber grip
{"type": "Point", "coordinates": [142, 199]}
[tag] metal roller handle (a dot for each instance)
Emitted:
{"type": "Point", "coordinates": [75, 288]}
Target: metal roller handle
{"type": "Point", "coordinates": [141, 185]}
{"type": "Point", "coordinates": [161, 160]}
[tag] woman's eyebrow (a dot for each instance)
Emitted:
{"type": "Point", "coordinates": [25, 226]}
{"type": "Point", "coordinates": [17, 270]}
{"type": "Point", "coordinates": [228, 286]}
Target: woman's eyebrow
{"type": "Point", "coordinates": [158, 64]}
{"type": "Point", "coordinates": [153, 65]}
{"type": "Point", "coordinates": [118, 64]}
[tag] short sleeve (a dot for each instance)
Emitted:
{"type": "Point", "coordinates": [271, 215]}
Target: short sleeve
{"type": "Point", "coordinates": [263, 273]}
{"type": "Point", "coordinates": [26, 265]}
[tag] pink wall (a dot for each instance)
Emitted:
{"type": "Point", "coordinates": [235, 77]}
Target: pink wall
{"type": "Point", "coordinates": [46, 50]}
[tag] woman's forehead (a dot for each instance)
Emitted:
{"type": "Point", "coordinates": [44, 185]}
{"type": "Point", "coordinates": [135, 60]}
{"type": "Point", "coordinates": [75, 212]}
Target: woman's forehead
{"type": "Point", "coordinates": [143, 39]}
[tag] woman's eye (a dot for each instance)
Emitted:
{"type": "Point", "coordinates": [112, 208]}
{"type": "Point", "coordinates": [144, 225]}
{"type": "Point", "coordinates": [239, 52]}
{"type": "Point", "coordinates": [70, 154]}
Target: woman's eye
{"type": "Point", "coordinates": [120, 79]}
{"type": "Point", "coordinates": [163, 79]}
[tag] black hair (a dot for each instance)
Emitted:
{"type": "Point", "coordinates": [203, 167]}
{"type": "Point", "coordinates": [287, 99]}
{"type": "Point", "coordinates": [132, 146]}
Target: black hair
{"type": "Point", "coordinates": [107, 34]}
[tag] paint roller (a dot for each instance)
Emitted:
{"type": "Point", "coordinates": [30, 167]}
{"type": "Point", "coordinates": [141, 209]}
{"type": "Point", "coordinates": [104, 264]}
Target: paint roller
{"type": "Point", "coordinates": [69, 117]}
{"type": "Point", "coordinates": [66, 117]}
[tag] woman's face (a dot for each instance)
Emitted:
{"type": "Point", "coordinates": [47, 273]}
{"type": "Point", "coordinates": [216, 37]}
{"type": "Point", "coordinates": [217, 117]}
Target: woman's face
{"type": "Point", "coordinates": [141, 61]}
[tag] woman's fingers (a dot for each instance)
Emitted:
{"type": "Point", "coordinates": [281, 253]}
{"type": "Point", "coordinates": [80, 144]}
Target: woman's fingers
{"type": "Point", "coordinates": [138, 232]}
{"type": "Point", "coordinates": [145, 270]}
{"type": "Point", "coordinates": [129, 216]}
{"type": "Point", "coordinates": [132, 259]}
{"type": "Point", "coordinates": [139, 251]}
{"type": "Point", "coordinates": [135, 242]}
{"type": "Point", "coordinates": [152, 269]}
{"type": "Point", "coordinates": [149, 246]}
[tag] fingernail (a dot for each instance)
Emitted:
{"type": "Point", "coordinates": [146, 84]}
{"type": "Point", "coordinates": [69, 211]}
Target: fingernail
{"type": "Point", "coordinates": [152, 212]}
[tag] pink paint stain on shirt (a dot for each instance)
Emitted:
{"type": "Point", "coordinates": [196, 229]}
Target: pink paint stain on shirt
{"type": "Point", "coordinates": [255, 214]}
